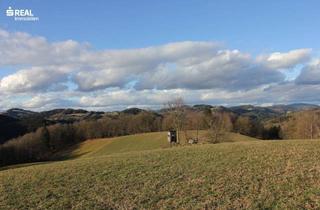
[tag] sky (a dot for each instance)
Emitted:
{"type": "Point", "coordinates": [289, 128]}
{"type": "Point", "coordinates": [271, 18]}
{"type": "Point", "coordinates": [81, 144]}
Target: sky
{"type": "Point", "coordinates": [110, 55]}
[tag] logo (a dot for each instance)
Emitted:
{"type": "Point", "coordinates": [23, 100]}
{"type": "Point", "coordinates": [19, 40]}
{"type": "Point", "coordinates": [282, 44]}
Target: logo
{"type": "Point", "coordinates": [21, 14]}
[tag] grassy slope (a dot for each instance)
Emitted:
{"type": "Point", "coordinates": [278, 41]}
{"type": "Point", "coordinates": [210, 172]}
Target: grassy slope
{"type": "Point", "coordinates": [243, 174]}
{"type": "Point", "coordinates": [256, 174]}
{"type": "Point", "coordinates": [139, 142]}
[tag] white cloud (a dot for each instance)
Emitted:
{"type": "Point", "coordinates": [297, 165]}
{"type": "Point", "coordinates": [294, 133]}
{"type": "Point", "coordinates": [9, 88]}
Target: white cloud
{"type": "Point", "coordinates": [131, 97]}
{"type": "Point", "coordinates": [33, 79]}
{"type": "Point", "coordinates": [117, 99]}
{"type": "Point", "coordinates": [48, 101]}
{"type": "Point", "coordinates": [310, 74]}
{"type": "Point", "coordinates": [201, 72]}
{"type": "Point", "coordinates": [191, 65]}
{"type": "Point", "coordinates": [23, 49]}
{"type": "Point", "coordinates": [118, 67]}
{"type": "Point", "coordinates": [278, 60]}
{"type": "Point", "coordinates": [225, 69]}
{"type": "Point", "coordinates": [194, 65]}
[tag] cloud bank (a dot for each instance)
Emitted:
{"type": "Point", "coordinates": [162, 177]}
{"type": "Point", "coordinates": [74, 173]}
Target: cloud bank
{"type": "Point", "coordinates": [44, 75]}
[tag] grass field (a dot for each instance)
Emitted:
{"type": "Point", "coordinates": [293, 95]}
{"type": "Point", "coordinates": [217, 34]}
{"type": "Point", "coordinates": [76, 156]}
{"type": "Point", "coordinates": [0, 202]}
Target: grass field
{"type": "Point", "coordinates": [243, 174]}
{"type": "Point", "coordinates": [138, 142]}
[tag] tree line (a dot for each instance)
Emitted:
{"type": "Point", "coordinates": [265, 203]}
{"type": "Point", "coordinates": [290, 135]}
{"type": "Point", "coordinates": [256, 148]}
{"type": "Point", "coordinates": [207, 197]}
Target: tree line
{"type": "Point", "coordinates": [46, 141]}
{"type": "Point", "coordinates": [301, 125]}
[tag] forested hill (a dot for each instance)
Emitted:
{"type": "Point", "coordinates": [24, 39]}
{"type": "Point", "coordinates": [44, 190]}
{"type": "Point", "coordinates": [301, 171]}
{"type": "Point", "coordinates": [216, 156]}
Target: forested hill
{"type": "Point", "coordinates": [16, 122]}
{"type": "Point", "coordinates": [52, 131]}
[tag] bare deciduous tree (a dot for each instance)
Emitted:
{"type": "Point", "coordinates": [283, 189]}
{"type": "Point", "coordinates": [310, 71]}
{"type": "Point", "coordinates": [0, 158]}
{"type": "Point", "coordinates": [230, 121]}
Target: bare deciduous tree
{"type": "Point", "coordinates": [309, 124]}
{"type": "Point", "coordinates": [195, 121]}
{"type": "Point", "coordinates": [177, 110]}
{"type": "Point", "coordinates": [219, 124]}
{"type": "Point", "coordinates": [303, 125]}
{"type": "Point", "coordinates": [243, 125]}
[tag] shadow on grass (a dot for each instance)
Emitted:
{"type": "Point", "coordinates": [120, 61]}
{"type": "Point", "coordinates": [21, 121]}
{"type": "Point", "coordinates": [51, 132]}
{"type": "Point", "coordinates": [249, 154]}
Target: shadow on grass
{"type": "Point", "coordinates": [62, 155]}
{"type": "Point", "coordinates": [68, 154]}
{"type": "Point", "coordinates": [23, 165]}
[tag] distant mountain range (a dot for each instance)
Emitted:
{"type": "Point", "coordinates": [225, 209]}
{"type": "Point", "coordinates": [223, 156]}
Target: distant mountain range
{"type": "Point", "coordinates": [259, 111]}
{"type": "Point", "coordinates": [16, 122]}
{"type": "Point", "coordinates": [271, 111]}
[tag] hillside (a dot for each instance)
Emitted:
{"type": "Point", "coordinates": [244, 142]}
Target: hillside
{"type": "Point", "coordinates": [251, 175]}
{"type": "Point", "coordinates": [138, 142]}
{"type": "Point", "coordinates": [9, 128]}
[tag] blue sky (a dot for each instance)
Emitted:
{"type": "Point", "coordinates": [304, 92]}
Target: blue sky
{"type": "Point", "coordinates": [109, 54]}
{"type": "Point", "coordinates": [252, 26]}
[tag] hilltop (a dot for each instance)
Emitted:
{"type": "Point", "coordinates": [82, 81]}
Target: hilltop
{"type": "Point", "coordinates": [138, 142]}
